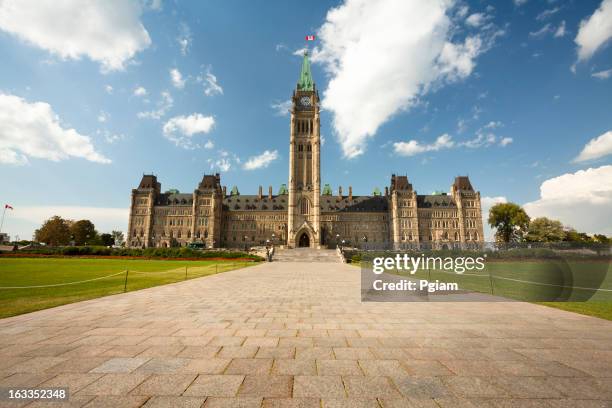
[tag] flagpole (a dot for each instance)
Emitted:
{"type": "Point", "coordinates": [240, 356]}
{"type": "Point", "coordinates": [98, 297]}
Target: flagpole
{"type": "Point", "coordinates": [2, 222]}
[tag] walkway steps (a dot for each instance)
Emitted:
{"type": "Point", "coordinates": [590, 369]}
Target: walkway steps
{"type": "Point", "coordinates": [306, 255]}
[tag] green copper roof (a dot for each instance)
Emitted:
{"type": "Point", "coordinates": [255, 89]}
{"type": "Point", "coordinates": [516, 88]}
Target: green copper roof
{"type": "Point", "coordinates": [283, 189]}
{"type": "Point", "coordinates": [305, 83]}
{"type": "Point", "coordinates": [327, 190]}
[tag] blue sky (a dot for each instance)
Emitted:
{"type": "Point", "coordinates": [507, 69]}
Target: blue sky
{"type": "Point", "coordinates": [507, 92]}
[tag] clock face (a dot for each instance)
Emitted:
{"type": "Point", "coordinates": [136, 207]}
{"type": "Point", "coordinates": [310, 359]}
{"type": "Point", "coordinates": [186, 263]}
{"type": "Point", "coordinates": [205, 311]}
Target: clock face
{"type": "Point", "coordinates": [305, 101]}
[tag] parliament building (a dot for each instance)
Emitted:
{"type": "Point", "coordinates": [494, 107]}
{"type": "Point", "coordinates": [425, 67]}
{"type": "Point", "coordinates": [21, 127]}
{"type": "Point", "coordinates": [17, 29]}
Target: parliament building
{"type": "Point", "coordinates": [303, 215]}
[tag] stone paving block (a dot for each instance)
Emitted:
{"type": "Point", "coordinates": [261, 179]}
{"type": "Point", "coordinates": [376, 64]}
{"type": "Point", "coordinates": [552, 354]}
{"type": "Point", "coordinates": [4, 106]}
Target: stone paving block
{"type": "Point", "coordinates": [324, 386]}
{"type": "Point", "coordinates": [480, 386]}
{"type": "Point", "coordinates": [370, 387]}
{"type": "Point", "coordinates": [294, 367]}
{"type": "Point", "coordinates": [123, 351]}
{"type": "Point", "coordinates": [205, 366]}
{"type": "Point", "coordinates": [426, 368]}
{"type": "Point", "coordinates": [237, 352]}
{"type": "Point", "coordinates": [261, 341]}
{"type": "Point", "coordinates": [275, 352]}
{"type": "Point", "coordinates": [214, 386]}
{"type": "Point", "coordinates": [174, 402]}
{"type": "Point", "coordinates": [254, 366]}
{"type": "Point", "coordinates": [111, 401]}
{"type": "Point", "coordinates": [35, 365]}
{"type": "Point", "coordinates": [120, 365]}
{"type": "Point", "coordinates": [390, 368]}
{"type": "Point", "coordinates": [24, 379]}
{"type": "Point", "coordinates": [164, 384]}
{"type": "Point", "coordinates": [74, 381]}
{"type": "Point", "coordinates": [314, 353]}
{"type": "Point", "coordinates": [291, 403]}
{"type": "Point", "coordinates": [77, 365]}
{"type": "Point", "coordinates": [227, 341]}
{"type": "Point", "coordinates": [409, 403]}
{"type": "Point", "coordinates": [421, 387]}
{"type": "Point", "coordinates": [161, 365]}
{"type": "Point", "coordinates": [114, 384]}
{"type": "Point", "coordinates": [353, 353]}
{"type": "Point", "coordinates": [199, 352]}
{"type": "Point", "coordinates": [267, 386]}
{"type": "Point", "coordinates": [241, 402]}
{"type": "Point", "coordinates": [76, 401]}
{"type": "Point", "coordinates": [338, 367]}
{"type": "Point", "coordinates": [162, 351]}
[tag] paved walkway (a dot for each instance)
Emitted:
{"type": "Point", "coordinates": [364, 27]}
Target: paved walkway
{"type": "Point", "coordinates": [297, 335]}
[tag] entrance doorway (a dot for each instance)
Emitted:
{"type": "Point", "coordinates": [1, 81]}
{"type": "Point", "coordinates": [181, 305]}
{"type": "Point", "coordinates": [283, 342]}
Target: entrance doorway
{"type": "Point", "coordinates": [304, 241]}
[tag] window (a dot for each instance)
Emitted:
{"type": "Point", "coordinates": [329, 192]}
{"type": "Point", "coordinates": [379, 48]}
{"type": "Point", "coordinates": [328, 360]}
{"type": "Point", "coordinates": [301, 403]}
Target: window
{"type": "Point", "coordinates": [300, 148]}
{"type": "Point", "coordinates": [305, 206]}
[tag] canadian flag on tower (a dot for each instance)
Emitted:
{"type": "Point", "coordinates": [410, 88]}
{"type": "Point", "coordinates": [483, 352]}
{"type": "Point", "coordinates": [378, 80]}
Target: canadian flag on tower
{"type": "Point", "coordinates": [310, 38]}
{"type": "Point", "coordinates": [8, 206]}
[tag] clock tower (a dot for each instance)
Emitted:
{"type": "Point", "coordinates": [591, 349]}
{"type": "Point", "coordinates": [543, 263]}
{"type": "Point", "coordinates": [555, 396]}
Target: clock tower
{"type": "Point", "coordinates": [304, 164]}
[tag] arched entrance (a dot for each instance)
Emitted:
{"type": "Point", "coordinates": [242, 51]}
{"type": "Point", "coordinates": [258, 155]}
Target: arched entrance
{"type": "Point", "coordinates": [304, 241]}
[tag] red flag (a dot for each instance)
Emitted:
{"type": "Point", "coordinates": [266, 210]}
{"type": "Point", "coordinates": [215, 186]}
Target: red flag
{"type": "Point", "coordinates": [8, 206]}
{"type": "Point", "coordinates": [310, 38]}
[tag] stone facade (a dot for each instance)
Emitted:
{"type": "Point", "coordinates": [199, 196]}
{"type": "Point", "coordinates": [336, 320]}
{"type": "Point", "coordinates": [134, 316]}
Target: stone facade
{"type": "Point", "coordinates": [302, 214]}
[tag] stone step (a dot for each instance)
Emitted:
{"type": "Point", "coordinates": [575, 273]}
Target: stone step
{"type": "Point", "coordinates": [306, 255]}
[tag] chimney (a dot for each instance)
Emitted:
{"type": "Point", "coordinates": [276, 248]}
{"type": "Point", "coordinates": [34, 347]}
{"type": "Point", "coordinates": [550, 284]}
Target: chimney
{"type": "Point", "coordinates": [386, 191]}
{"type": "Point", "coordinates": [224, 191]}
{"type": "Point", "coordinates": [270, 192]}
{"type": "Point", "coordinates": [340, 192]}
{"type": "Point", "coordinates": [350, 192]}
{"type": "Point", "coordinates": [260, 193]}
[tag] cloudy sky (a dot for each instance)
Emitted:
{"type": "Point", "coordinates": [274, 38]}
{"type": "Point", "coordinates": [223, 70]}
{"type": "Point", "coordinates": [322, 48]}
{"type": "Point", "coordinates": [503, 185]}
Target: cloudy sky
{"type": "Point", "coordinates": [517, 94]}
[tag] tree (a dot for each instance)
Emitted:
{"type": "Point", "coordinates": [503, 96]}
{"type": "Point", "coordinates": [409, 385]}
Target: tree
{"type": "Point", "coordinates": [83, 232]}
{"type": "Point", "coordinates": [545, 230]}
{"type": "Point", "coordinates": [510, 221]}
{"type": "Point", "coordinates": [571, 235]}
{"type": "Point", "coordinates": [55, 231]}
{"type": "Point", "coordinates": [602, 239]}
{"type": "Point", "coordinates": [107, 239]}
{"type": "Point", "coordinates": [118, 238]}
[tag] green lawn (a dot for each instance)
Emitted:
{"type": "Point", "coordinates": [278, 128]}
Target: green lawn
{"type": "Point", "coordinates": [52, 271]}
{"type": "Point", "coordinates": [578, 274]}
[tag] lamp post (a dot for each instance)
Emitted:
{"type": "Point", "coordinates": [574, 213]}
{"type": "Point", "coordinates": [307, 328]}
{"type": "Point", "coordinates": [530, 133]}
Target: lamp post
{"type": "Point", "coordinates": [273, 239]}
{"type": "Point", "coordinates": [337, 239]}
{"type": "Point", "coordinates": [245, 244]}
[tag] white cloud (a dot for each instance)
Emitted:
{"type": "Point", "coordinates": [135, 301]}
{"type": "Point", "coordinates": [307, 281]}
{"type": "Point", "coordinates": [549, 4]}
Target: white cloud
{"type": "Point", "coordinates": [365, 48]}
{"type": "Point", "coordinates": [519, 2]}
{"type": "Point", "coordinates": [560, 30]}
{"type": "Point", "coordinates": [163, 106]}
{"type": "Point", "coordinates": [594, 31]}
{"type": "Point", "coordinates": [476, 19]}
{"type": "Point", "coordinates": [103, 116]}
{"type": "Point", "coordinates": [282, 108]}
{"type": "Point", "coordinates": [413, 147]}
{"type": "Point", "coordinates": [261, 161]}
{"type": "Point", "coordinates": [25, 219]}
{"type": "Point", "coordinates": [547, 13]}
{"type": "Point", "coordinates": [602, 74]}
{"type": "Point", "coordinates": [180, 129]}
{"type": "Point", "coordinates": [211, 85]}
{"type": "Point", "coordinates": [485, 205]}
{"type": "Point", "coordinates": [582, 200]}
{"type": "Point", "coordinates": [140, 91]}
{"type": "Point", "coordinates": [209, 144]}
{"type": "Point", "coordinates": [154, 4]}
{"type": "Point", "coordinates": [109, 32]}
{"type": "Point", "coordinates": [177, 78]}
{"type": "Point", "coordinates": [506, 141]}
{"type": "Point", "coordinates": [108, 89]}
{"type": "Point", "coordinates": [596, 148]}
{"type": "Point", "coordinates": [223, 164]}
{"type": "Point", "coordinates": [33, 130]}
{"type": "Point", "coordinates": [109, 137]}
{"type": "Point", "coordinates": [542, 31]}
{"type": "Point", "coordinates": [184, 39]}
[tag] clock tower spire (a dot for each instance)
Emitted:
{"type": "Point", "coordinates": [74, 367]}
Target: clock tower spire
{"type": "Point", "coordinates": [304, 212]}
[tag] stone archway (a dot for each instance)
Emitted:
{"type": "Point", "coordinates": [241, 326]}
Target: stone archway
{"type": "Point", "coordinates": [304, 240]}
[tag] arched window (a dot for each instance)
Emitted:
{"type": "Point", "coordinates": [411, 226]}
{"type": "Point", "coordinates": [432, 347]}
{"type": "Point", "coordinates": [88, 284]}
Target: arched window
{"type": "Point", "coordinates": [305, 206]}
{"type": "Point", "coordinates": [456, 236]}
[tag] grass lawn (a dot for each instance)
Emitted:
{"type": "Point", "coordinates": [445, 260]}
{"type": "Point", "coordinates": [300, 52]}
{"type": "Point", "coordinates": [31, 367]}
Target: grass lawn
{"type": "Point", "coordinates": [52, 271]}
{"type": "Point", "coordinates": [578, 274]}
